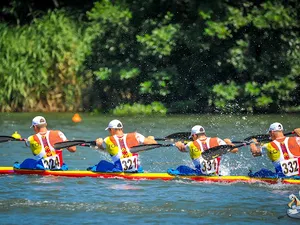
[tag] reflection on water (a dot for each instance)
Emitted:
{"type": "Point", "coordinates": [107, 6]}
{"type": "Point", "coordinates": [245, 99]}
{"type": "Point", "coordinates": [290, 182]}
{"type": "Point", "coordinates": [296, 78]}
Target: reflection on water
{"type": "Point", "coordinates": [124, 187]}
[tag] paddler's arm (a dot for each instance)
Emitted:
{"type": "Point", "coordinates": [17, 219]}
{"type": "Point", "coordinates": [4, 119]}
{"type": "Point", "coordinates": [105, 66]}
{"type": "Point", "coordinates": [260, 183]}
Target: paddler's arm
{"type": "Point", "coordinates": [228, 142]}
{"type": "Point", "coordinates": [297, 132]}
{"type": "Point", "coordinates": [149, 140]}
{"type": "Point", "coordinates": [99, 143]}
{"type": "Point", "coordinates": [291, 203]}
{"type": "Point", "coordinates": [64, 138]}
{"type": "Point", "coordinates": [180, 146]}
{"type": "Point", "coordinates": [255, 148]}
{"type": "Point", "coordinates": [72, 149]}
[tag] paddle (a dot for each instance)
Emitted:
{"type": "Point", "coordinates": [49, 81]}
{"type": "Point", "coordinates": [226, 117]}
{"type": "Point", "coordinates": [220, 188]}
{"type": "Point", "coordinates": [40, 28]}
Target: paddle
{"type": "Point", "coordinates": [175, 136]}
{"type": "Point", "coordinates": [217, 151]}
{"type": "Point", "coordinates": [223, 149]}
{"type": "Point", "coordinates": [67, 144]}
{"type": "Point", "coordinates": [10, 138]}
{"type": "Point", "coordinates": [171, 137]}
{"type": "Point", "coordinates": [280, 217]}
{"type": "Point", "coordinates": [140, 148]}
{"type": "Point", "coordinates": [264, 137]}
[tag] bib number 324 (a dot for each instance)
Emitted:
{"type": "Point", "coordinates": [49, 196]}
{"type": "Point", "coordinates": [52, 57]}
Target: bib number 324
{"type": "Point", "coordinates": [51, 162]}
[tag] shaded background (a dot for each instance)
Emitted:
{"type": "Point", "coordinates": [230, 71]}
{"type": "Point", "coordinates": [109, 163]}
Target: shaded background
{"type": "Point", "coordinates": [192, 56]}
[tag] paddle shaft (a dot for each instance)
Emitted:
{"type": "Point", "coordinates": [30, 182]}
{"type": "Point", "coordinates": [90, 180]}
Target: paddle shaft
{"type": "Point", "coordinates": [280, 217]}
{"type": "Point", "coordinates": [217, 151]}
{"type": "Point", "coordinates": [223, 149]}
{"type": "Point", "coordinates": [140, 148]}
{"type": "Point", "coordinates": [10, 138]}
{"type": "Point", "coordinates": [175, 136]}
{"type": "Point", "coordinates": [67, 144]}
{"type": "Point", "coordinates": [264, 137]}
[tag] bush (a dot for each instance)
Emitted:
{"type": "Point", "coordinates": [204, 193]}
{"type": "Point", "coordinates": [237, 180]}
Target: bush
{"type": "Point", "coordinates": [139, 109]}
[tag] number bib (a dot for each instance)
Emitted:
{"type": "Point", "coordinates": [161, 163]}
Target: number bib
{"type": "Point", "coordinates": [290, 167]}
{"type": "Point", "coordinates": [51, 162]}
{"type": "Point", "coordinates": [130, 164]}
{"type": "Point", "coordinates": [208, 167]}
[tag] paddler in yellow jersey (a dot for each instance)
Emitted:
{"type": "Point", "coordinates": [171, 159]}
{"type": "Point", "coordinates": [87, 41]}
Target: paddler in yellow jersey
{"type": "Point", "coordinates": [118, 146]}
{"type": "Point", "coordinates": [199, 144]}
{"type": "Point", "coordinates": [284, 152]}
{"type": "Point", "coordinates": [41, 145]}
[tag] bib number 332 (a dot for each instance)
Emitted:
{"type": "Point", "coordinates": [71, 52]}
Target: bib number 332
{"type": "Point", "coordinates": [290, 167]}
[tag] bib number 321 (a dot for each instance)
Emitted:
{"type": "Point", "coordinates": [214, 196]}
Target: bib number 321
{"type": "Point", "coordinates": [290, 167]}
{"type": "Point", "coordinates": [51, 162]}
{"type": "Point", "coordinates": [130, 164]}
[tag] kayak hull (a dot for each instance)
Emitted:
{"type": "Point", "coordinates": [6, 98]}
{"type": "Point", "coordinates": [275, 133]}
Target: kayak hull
{"type": "Point", "coordinates": [145, 176]}
{"type": "Point", "coordinates": [294, 213]}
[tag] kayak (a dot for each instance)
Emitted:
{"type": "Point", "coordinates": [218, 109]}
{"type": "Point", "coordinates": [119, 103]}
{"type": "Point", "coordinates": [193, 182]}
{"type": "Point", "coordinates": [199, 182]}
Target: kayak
{"type": "Point", "coordinates": [294, 213]}
{"type": "Point", "coordinates": [146, 176]}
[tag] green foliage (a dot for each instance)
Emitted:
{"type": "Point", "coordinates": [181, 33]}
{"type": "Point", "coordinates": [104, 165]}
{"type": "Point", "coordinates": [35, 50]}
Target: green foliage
{"type": "Point", "coordinates": [225, 96]}
{"type": "Point", "coordinates": [218, 29]}
{"type": "Point", "coordinates": [159, 84]}
{"type": "Point", "coordinates": [103, 73]}
{"type": "Point", "coordinates": [40, 64]}
{"type": "Point", "coordinates": [274, 15]}
{"type": "Point", "coordinates": [252, 89]}
{"type": "Point", "coordinates": [237, 56]}
{"type": "Point", "coordinates": [193, 56]}
{"type": "Point", "coordinates": [162, 39]}
{"type": "Point", "coordinates": [106, 16]}
{"type": "Point", "coordinates": [263, 52]}
{"type": "Point", "coordinates": [253, 97]}
{"type": "Point", "coordinates": [280, 90]}
{"type": "Point", "coordinates": [108, 13]}
{"type": "Point", "coordinates": [263, 101]}
{"type": "Point", "coordinates": [160, 42]}
{"type": "Point", "coordinates": [129, 74]}
{"type": "Point", "coordinates": [139, 109]}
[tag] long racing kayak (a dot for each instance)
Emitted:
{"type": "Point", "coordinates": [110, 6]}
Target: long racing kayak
{"type": "Point", "coordinates": [146, 176]}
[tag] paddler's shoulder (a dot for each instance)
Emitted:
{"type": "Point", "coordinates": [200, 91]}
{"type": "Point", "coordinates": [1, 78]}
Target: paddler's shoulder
{"type": "Point", "coordinates": [55, 131]}
{"type": "Point", "coordinates": [31, 137]}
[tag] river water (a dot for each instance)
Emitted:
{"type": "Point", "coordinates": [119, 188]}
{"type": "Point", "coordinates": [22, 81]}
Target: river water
{"type": "Point", "coordinates": [57, 200]}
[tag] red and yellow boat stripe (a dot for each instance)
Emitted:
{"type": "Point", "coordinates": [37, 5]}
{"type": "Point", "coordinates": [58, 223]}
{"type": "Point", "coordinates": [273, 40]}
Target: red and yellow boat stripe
{"type": "Point", "coordinates": [147, 176]}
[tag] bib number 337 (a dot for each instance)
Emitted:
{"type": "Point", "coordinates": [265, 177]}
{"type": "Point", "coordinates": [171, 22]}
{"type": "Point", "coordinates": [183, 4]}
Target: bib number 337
{"type": "Point", "coordinates": [290, 167]}
{"type": "Point", "coordinates": [129, 164]}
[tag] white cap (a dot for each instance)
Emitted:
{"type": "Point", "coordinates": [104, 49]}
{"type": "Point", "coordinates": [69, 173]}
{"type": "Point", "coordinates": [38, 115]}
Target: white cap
{"type": "Point", "coordinates": [38, 120]}
{"type": "Point", "coordinates": [197, 130]}
{"type": "Point", "coordinates": [276, 127]}
{"type": "Point", "coordinates": [115, 124]}
{"type": "Point", "coordinates": [292, 197]}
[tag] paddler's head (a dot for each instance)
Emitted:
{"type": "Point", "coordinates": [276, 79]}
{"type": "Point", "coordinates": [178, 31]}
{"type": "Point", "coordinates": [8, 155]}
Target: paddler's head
{"type": "Point", "coordinates": [292, 197]}
{"type": "Point", "coordinates": [276, 131]}
{"type": "Point", "coordinates": [115, 127]}
{"type": "Point", "coordinates": [196, 132]}
{"type": "Point", "coordinates": [38, 123]}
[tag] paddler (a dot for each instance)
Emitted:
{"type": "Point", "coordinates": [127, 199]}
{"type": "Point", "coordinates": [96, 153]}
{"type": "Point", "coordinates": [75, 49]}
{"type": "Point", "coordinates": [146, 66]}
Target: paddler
{"type": "Point", "coordinates": [295, 202]}
{"type": "Point", "coordinates": [41, 144]}
{"type": "Point", "coordinates": [199, 144]}
{"type": "Point", "coordinates": [284, 152]}
{"type": "Point", "coordinates": [118, 145]}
